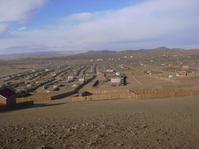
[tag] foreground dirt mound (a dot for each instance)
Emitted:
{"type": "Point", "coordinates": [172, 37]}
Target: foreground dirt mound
{"type": "Point", "coordinates": [169, 123]}
{"type": "Point", "coordinates": [130, 132]}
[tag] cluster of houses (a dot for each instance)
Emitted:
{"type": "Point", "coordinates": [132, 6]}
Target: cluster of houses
{"type": "Point", "coordinates": [116, 78]}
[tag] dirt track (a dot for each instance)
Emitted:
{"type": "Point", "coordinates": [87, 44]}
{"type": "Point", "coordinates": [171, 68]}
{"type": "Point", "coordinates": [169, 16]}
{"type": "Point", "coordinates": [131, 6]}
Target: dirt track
{"type": "Point", "coordinates": [164, 123]}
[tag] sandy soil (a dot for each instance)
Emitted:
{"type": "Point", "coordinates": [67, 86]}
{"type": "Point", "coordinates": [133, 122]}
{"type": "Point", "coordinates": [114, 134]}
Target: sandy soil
{"type": "Point", "coordinates": [161, 123]}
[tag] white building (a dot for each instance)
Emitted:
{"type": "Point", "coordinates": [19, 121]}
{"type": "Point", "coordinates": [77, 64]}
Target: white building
{"type": "Point", "coordinates": [117, 74]}
{"type": "Point", "coordinates": [81, 80]}
{"type": "Point", "coordinates": [70, 78]}
{"type": "Point", "coordinates": [115, 81]}
{"type": "Point", "coordinates": [109, 70]}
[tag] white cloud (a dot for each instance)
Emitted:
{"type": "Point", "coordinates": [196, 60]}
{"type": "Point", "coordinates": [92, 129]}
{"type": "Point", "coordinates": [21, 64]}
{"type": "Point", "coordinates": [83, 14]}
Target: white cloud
{"type": "Point", "coordinates": [151, 19]}
{"type": "Point", "coordinates": [148, 24]}
{"type": "Point", "coordinates": [81, 17]}
{"type": "Point", "coordinates": [18, 10]}
{"type": "Point", "coordinates": [22, 28]}
{"type": "Point", "coordinates": [3, 27]}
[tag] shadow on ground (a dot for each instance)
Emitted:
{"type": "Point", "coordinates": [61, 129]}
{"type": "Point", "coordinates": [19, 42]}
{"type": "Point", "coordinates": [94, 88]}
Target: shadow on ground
{"type": "Point", "coordinates": [9, 109]}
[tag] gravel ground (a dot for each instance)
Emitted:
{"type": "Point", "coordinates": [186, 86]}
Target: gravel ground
{"type": "Point", "coordinates": [162, 123]}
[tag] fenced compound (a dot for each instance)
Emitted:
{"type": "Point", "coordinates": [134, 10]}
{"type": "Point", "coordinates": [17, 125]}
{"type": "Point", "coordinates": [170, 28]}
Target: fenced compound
{"type": "Point", "coordinates": [137, 94]}
{"type": "Point", "coordinates": [73, 91]}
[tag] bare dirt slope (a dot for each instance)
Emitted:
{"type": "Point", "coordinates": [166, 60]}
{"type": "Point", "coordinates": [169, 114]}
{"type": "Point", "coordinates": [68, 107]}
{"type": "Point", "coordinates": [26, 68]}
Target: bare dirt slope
{"type": "Point", "coordinates": [163, 123]}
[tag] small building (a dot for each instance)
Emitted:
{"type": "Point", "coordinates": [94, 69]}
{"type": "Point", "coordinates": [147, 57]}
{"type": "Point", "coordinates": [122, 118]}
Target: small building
{"type": "Point", "coordinates": [117, 73]}
{"type": "Point", "coordinates": [181, 74]}
{"type": "Point", "coordinates": [115, 81]}
{"type": "Point", "coordinates": [99, 60]}
{"type": "Point", "coordinates": [185, 67]}
{"type": "Point", "coordinates": [46, 70]}
{"type": "Point", "coordinates": [28, 85]}
{"type": "Point", "coordinates": [119, 80]}
{"type": "Point", "coordinates": [170, 76]}
{"type": "Point", "coordinates": [148, 72]}
{"type": "Point", "coordinates": [7, 96]}
{"type": "Point", "coordinates": [71, 78]}
{"type": "Point", "coordinates": [82, 79]}
{"type": "Point", "coordinates": [109, 70]}
{"type": "Point", "coordinates": [123, 66]}
{"type": "Point", "coordinates": [86, 93]}
{"type": "Point", "coordinates": [74, 85]}
{"type": "Point", "coordinates": [53, 74]}
{"type": "Point", "coordinates": [123, 79]}
{"type": "Point", "coordinates": [55, 87]}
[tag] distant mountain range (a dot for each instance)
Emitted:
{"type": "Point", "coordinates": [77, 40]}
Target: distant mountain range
{"type": "Point", "coordinates": [40, 54]}
{"type": "Point", "coordinates": [46, 54]}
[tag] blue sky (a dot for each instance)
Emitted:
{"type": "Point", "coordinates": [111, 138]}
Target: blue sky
{"type": "Point", "coordinates": [54, 9]}
{"type": "Point", "coordinates": [73, 25]}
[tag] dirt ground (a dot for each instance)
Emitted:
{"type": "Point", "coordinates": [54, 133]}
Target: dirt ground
{"type": "Point", "coordinates": [158, 123]}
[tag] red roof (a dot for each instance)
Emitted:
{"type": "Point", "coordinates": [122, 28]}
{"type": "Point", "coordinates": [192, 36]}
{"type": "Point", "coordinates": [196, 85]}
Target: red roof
{"type": "Point", "coordinates": [7, 92]}
{"type": "Point", "coordinates": [2, 105]}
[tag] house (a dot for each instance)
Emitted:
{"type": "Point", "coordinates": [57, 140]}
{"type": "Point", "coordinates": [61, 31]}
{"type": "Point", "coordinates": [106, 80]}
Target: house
{"type": "Point", "coordinates": [119, 80]}
{"type": "Point", "coordinates": [115, 81]}
{"type": "Point", "coordinates": [148, 72]}
{"type": "Point", "coordinates": [170, 76]}
{"type": "Point", "coordinates": [7, 96]}
{"type": "Point", "coordinates": [123, 79]}
{"type": "Point", "coordinates": [117, 73]}
{"type": "Point", "coordinates": [71, 78]}
{"type": "Point", "coordinates": [181, 74]}
{"type": "Point", "coordinates": [46, 70]}
{"type": "Point", "coordinates": [99, 60]}
{"type": "Point", "coordinates": [109, 70]}
{"type": "Point", "coordinates": [86, 93]}
{"type": "Point", "coordinates": [82, 79]}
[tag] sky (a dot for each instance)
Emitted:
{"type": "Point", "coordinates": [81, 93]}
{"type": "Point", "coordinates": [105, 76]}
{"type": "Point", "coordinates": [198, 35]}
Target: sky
{"type": "Point", "coordinates": [82, 25]}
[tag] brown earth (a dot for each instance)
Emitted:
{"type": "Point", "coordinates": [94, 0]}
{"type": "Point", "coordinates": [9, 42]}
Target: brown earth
{"type": "Point", "coordinates": [160, 123]}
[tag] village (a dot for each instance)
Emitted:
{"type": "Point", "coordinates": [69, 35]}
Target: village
{"type": "Point", "coordinates": [102, 76]}
{"type": "Point", "coordinates": [101, 99]}
{"type": "Point", "coordinates": [99, 74]}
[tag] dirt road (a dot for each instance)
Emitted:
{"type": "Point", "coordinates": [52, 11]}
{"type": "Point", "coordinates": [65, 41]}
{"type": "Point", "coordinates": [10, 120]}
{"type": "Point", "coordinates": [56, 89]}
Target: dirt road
{"type": "Point", "coordinates": [163, 123]}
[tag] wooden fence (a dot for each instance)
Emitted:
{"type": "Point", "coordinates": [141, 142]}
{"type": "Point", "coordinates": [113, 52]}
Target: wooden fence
{"type": "Point", "coordinates": [138, 94]}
